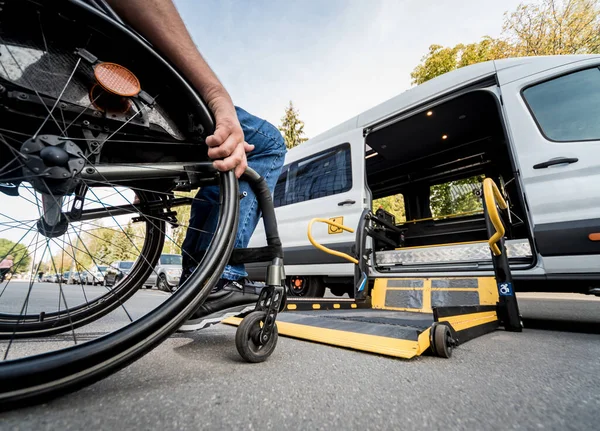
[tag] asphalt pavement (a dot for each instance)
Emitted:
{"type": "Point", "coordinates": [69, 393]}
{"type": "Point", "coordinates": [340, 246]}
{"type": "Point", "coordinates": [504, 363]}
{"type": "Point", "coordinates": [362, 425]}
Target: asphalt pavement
{"type": "Point", "coordinates": [539, 379]}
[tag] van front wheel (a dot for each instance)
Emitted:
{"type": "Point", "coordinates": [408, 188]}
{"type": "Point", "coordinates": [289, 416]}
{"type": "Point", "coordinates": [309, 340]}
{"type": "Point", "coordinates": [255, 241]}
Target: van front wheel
{"type": "Point", "coordinates": [310, 287]}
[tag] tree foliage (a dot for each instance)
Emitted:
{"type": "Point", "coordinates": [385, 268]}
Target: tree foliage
{"type": "Point", "coordinates": [19, 252]}
{"type": "Point", "coordinates": [292, 127]}
{"type": "Point", "coordinates": [393, 204]}
{"type": "Point", "coordinates": [456, 197]}
{"type": "Point", "coordinates": [548, 27]}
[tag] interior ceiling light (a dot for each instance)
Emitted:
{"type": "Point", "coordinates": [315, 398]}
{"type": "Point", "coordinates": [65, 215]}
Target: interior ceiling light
{"type": "Point", "coordinates": [444, 136]}
{"type": "Point", "coordinates": [429, 113]}
{"type": "Point", "coordinates": [462, 117]}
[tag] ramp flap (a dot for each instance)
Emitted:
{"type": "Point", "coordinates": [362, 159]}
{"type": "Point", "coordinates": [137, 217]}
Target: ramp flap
{"type": "Point", "coordinates": [391, 333]}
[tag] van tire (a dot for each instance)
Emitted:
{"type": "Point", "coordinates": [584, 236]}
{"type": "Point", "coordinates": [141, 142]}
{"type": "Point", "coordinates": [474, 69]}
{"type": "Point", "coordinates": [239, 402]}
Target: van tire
{"type": "Point", "coordinates": [303, 286]}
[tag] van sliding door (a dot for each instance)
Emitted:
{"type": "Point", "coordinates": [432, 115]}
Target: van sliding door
{"type": "Point", "coordinates": [554, 119]}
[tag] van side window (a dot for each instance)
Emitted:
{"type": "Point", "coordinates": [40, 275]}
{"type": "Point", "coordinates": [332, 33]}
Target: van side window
{"type": "Point", "coordinates": [279, 194]}
{"type": "Point", "coordinates": [323, 174]}
{"type": "Point", "coordinates": [567, 108]}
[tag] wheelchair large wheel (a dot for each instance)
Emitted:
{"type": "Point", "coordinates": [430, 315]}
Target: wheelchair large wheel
{"type": "Point", "coordinates": [98, 137]}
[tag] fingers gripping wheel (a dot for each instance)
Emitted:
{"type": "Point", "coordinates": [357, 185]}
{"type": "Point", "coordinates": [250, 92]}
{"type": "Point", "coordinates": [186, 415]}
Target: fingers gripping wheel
{"type": "Point", "coordinates": [253, 343]}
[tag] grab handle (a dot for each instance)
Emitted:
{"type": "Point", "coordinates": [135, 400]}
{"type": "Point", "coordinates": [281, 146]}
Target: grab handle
{"type": "Point", "coordinates": [325, 249]}
{"type": "Point", "coordinates": [493, 197]}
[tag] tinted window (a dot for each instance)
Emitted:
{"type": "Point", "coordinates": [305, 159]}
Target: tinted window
{"type": "Point", "coordinates": [170, 259]}
{"type": "Point", "coordinates": [568, 108]}
{"type": "Point", "coordinates": [279, 194]}
{"type": "Point", "coordinates": [323, 174]}
{"type": "Point", "coordinates": [125, 265]}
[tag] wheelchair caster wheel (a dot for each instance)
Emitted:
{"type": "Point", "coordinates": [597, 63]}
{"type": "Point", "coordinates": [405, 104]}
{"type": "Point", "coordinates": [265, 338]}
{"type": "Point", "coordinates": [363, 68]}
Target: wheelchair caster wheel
{"type": "Point", "coordinates": [247, 341]}
{"type": "Point", "coordinates": [443, 343]}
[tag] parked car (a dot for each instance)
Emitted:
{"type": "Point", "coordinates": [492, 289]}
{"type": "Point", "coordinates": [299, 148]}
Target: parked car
{"type": "Point", "coordinates": [166, 273]}
{"type": "Point", "coordinates": [95, 276]}
{"type": "Point", "coordinates": [76, 278]}
{"type": "Point", "coordinates": [50, 278]}
{"type": "Point", "coordinates": [116, 271]}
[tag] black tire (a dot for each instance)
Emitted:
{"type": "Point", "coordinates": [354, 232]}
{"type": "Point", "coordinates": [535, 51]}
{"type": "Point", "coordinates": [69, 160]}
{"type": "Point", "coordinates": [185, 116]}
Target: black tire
{"type": "Point", "coordinates": [161, 283]}
{"type": "Point", "coordinates": [305, 286]}
{"type": "Point", "coordinates": [246, 339]}
{"type": "Point", "coordinates": [443, 343]}
{"type": "Point", "coordinates": [37, 378]}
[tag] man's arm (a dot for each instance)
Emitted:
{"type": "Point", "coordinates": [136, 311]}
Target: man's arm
{"type": "Point", "coordinates": [160, 23]}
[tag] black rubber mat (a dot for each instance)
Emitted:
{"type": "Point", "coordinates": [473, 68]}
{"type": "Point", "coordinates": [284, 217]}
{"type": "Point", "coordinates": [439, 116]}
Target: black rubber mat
{"type": "Point", "coordinates": [392, 324]}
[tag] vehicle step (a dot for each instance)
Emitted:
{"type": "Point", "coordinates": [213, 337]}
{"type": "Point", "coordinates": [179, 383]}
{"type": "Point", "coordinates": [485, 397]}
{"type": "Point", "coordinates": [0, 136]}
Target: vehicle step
{"type": "Point", "coordinates": [457, 253]}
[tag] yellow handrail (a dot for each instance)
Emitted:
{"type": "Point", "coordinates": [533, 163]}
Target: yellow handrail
{"type": "Point", "coordinates": [493, 197]}
{"type": "Point", "coordinates": [325, 249]}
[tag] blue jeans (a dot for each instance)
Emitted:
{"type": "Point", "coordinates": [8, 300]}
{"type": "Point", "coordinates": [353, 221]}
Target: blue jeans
{"type": "Point", "coordinates": [266, 159]}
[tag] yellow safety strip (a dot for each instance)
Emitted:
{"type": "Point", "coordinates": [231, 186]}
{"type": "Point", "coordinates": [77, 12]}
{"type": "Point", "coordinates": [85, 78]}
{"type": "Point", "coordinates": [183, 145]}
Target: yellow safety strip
{"type": "Point", "coordinates": [493, 197]}
{"type": "Point", "coordinates": [466, 321]}
{"type": "Point", "coordinates": [325, 249]}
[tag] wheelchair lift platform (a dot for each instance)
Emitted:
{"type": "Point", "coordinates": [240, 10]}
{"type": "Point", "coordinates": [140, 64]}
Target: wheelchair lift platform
{"type": "Point", "coordinates": [406, 317]}
{"type": "Point", "coordinates": [401, 319]}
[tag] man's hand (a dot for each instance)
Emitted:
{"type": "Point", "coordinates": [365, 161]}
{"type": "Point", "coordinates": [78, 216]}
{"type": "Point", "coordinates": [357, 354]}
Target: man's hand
{"type": "Point", "coordinates": [227, 146]}
{"type": "Point", "coordinates": [160, 23]}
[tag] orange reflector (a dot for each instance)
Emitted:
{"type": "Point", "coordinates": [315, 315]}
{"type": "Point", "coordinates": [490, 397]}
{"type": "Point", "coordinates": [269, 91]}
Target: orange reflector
{"type": "Point", "coordinates": [117, 79]}
{"type": "Point", "coordinates": [594, 236]}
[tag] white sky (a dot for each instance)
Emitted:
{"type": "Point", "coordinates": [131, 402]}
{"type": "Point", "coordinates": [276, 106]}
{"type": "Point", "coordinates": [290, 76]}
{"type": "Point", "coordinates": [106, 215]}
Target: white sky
{"type": "Point", "coordinates": [332, 58]}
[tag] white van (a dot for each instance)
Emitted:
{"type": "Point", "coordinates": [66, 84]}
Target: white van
{"type": "Point", "coordinates": [530, 124]}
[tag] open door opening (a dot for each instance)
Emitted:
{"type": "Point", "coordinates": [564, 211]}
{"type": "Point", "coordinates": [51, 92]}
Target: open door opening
{"type": "Point", "coordinates": [425, 173]}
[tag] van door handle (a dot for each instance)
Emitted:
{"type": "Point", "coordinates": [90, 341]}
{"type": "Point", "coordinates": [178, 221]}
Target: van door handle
{"type": "Point", "coordinates": [346, 202]}
{"type": "Point", "coordinates": [557, 161]}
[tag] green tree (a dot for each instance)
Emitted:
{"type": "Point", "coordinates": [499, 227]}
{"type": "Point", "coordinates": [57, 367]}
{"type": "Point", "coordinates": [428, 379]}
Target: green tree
{"type": "Point", "coordinates": [393, 204]}
{"type": "Point", "coordinates": [456, 197]}
{"type": "Point", "coordinates": [548, 27]}
{"type": "Point", "coordinates": [554, 27]}
{"type": "Point", "coordinates": [19, 252]}
{"type": "Point", "coordinates": [124, 247]}
{"type": "Point", "coordinates": [292, 127]}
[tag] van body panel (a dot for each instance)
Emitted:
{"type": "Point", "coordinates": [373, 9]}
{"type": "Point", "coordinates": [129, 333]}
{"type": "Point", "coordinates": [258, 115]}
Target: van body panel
{"type": "Point", "coordinates": [345, 207]}
{"type": "Point", "coordinates": [563, 199]}
{"type": "Point", "coordinates": [512, 69]}
{"type": "Point", "coordinates": [561, 203]}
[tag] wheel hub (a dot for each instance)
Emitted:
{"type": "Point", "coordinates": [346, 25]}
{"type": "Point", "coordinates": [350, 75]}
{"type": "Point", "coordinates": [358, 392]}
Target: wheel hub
{"type": "Point", "coordinates": [52, 162]}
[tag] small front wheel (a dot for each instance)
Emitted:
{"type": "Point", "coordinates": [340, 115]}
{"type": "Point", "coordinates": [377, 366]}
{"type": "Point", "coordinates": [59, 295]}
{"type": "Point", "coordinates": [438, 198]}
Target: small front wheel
{"type": "Point", "coordinates": [247, 339]}
{"type": "Point", "coordinates": [443, 343]}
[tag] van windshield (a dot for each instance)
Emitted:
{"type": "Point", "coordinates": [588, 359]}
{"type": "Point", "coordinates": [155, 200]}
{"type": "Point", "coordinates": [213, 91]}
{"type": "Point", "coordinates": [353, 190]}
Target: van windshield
{"type": "Point", "coordinates": [567, 108]}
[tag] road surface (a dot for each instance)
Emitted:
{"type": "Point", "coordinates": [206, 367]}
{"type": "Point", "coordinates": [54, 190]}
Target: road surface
{"type": "Point", "coordinates": [538, 379]}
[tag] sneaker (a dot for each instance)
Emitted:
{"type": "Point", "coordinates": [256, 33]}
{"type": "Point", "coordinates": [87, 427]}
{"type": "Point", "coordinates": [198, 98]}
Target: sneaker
{"type": "Point", "coordinates": [228, 299]}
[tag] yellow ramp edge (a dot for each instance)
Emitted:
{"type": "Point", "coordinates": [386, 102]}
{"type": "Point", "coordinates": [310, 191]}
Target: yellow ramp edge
{"type": "Point", "coordinates": [395, 347]}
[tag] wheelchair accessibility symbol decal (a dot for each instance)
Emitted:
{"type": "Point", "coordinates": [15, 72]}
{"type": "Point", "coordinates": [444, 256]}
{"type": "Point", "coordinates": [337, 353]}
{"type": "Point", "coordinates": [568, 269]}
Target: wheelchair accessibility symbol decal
{"type": "Point", "coordinates": [505, 289]}
{"type": "Point", "coordinates": [334, 229]}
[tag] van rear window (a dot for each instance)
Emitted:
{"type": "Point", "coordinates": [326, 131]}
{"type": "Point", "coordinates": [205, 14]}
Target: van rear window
{"type": "Point", "coordinates": [567, 108]}
{"type": "Point", "coordinates": [323, 174]}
